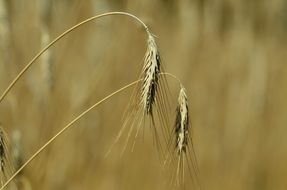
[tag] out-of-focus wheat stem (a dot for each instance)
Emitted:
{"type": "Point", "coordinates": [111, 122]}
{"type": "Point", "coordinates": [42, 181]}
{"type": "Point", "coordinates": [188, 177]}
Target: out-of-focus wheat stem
{"type": "Point", "coordinates": [47, 58]}
{"type": "Point", "coordinates": [4, 32]}
{"type": "Point", "coordinates": [63, 35]}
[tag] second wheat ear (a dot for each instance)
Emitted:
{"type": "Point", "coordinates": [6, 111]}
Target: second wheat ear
{"type": "Point", "coordinates": [182, 122]}
{"type": "Point", "coordinates": [184, 157]}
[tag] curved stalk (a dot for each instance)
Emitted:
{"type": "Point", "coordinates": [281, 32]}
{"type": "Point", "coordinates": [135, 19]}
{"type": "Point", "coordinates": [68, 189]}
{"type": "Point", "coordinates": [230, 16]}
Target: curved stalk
{"type": "Point", "coordinates": [23, 71]}
{"type": "Point", "coordinates": [73, 122]}
{"type": "Point", "coordinates": [65, 129]}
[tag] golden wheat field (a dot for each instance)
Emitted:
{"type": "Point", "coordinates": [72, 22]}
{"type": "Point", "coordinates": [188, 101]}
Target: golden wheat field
{"type": "Point", "coordinates": [230, 55]}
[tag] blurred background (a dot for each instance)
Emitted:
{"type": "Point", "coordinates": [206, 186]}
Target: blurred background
{"type": "Point", "coordinates": [229, 54]}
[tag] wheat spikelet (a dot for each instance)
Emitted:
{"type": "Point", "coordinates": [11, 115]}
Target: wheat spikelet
{"type": "Point", "coordinates": [184, 158]}
{"type": "Point", "coordinates": [182, 123]}
{"type": "Point", "coordinates": [150, 75]}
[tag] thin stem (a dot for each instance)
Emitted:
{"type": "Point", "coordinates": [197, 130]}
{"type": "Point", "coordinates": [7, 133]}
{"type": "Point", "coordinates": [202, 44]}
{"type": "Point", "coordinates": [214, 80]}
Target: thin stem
{"type": "Point", "coordinates": [175, 77]}
{"type": "Point", "coordinates": [73, 122]}
{"type": "Point", "coordinates": [60, 37]}
{"type": "Point", "coordinates": [65, 129]}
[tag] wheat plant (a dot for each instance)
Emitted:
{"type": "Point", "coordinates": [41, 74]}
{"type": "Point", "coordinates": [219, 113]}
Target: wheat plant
{"type": "Point", "coordinates": [149, 105]}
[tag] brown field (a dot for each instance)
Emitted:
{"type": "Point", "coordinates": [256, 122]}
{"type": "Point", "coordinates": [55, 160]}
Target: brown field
{"type": "Point", "coordinates": [228, 54]}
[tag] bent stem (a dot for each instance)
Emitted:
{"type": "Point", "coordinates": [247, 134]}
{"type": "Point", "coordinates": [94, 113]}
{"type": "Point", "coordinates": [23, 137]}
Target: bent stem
{"type": "Point", "coordinates": [73, 122]}
{"type": "Point", "coordinates": [23, 71]}
{"type": "Point", "coordinates": [65, 129]}
{"type": "Point", "coordinates": [173, 76]}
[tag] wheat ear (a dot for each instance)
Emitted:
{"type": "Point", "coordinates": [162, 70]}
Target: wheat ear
{"type": "Point", "coordinates": [148, 95]}
{"type": "Point", "coordinates": [182, 122]}
{"type": "Point", "coordinates": [185, 154]}
{"type": "Point", "coordinates": [150, 75]}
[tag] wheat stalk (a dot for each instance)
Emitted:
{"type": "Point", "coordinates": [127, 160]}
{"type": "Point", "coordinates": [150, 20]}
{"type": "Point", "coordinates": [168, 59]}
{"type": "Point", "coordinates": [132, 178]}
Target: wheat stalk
{"type": "Point", "coordinates": [25, 69]}
{"type": "Point", "coordinates": [5, 33]}
{"type": "Point", "coordinates": [65, 128]}
{"type": "Point", "coordinates": [47, 58]}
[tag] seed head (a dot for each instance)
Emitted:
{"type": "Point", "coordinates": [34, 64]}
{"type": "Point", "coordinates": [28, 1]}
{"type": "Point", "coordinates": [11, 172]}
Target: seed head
{"type": "Point", "coordinates": [182, 122]}
{"type": "Point", "coordinates": [150, 75]}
